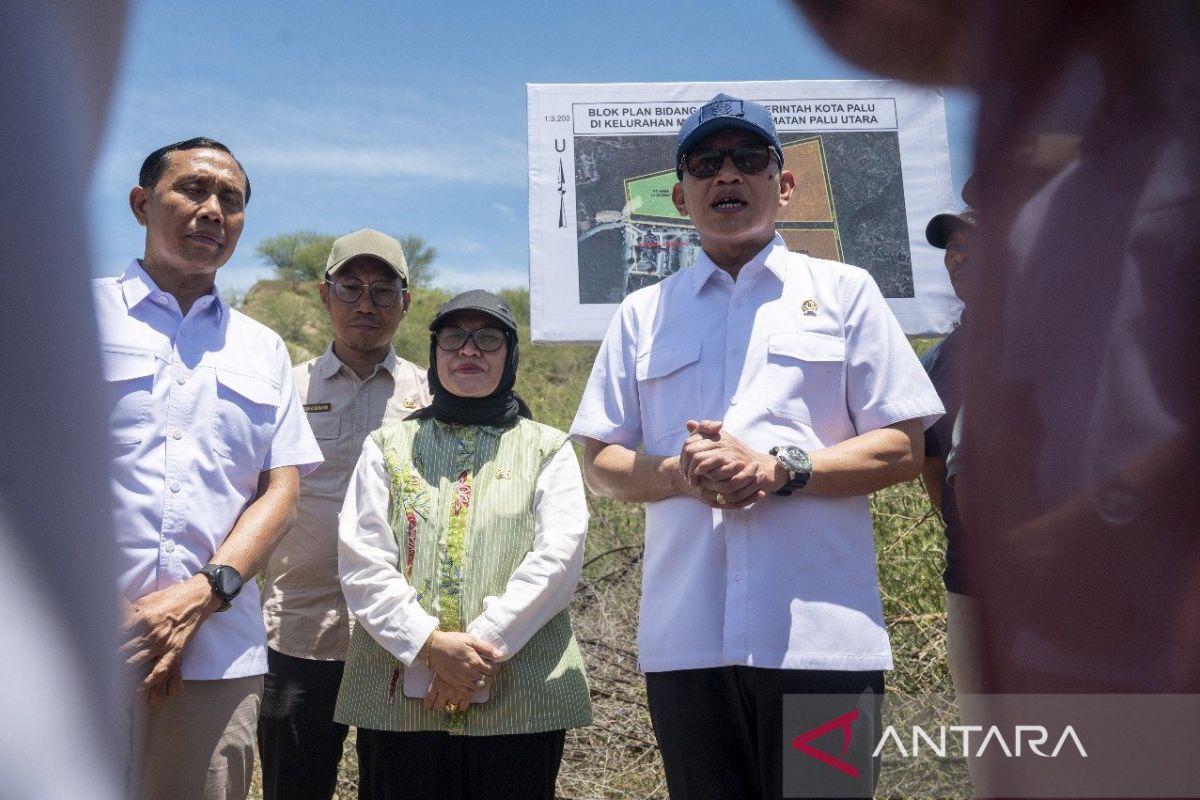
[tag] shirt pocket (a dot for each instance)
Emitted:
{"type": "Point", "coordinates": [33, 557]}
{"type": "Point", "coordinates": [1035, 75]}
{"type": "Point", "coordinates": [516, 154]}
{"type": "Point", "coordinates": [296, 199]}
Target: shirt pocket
{"type": "Point", "coordinates": [805, 376]}
{"type": "Point", "coordinates": [129, 375]}
{"type": "Point", "coordinates": [244, 418]}
{"type": "Point", "coordinates": [669, 390]}
{"type": "Point", "coordinates": [325, 425]}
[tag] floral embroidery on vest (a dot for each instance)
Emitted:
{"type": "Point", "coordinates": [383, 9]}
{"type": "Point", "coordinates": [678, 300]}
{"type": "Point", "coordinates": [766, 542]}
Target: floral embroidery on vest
{"type": "Point", "coordinates": [412, 497]}
{"type": "Point", "coordinates": [450, 588]}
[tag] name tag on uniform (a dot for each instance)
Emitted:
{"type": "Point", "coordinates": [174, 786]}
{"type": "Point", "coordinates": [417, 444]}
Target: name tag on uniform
{"type": "Point", "coordinates": [311, 407]}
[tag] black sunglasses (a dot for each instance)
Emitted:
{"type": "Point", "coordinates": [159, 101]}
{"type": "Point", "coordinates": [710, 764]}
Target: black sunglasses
{"type": "Point", "coordinates": [489, 340]}
{"type": "Point", "coordinates": [383, 293]}
{"type": "Point", "coordinates": [748, 158]}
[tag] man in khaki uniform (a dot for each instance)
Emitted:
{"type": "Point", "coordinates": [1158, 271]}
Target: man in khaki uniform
{"type": "Point", "coordinates": [358, 384]}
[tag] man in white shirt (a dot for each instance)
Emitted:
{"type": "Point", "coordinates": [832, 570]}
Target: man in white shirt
{"type": "Point", "coordinates": [358, 384]}
{"type": "Point", "coordinates": [208, 443]}
{"type": "Point", "coordinates": [751, 402]}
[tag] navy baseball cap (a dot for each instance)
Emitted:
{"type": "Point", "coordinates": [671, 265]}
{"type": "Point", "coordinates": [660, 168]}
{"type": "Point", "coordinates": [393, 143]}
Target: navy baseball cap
{"type": "Point", "coordinates": [720, 113]}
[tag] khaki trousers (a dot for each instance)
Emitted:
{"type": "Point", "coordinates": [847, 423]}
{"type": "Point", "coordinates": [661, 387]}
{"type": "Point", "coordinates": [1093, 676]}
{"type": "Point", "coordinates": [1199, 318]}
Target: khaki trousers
{"type": "Point", "coordinates": [198, 744]}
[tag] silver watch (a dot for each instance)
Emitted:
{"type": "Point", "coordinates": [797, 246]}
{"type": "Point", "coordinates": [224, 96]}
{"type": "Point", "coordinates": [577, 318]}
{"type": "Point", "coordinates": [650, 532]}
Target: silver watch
{"type": "Point", "coordinates": [798, 465]}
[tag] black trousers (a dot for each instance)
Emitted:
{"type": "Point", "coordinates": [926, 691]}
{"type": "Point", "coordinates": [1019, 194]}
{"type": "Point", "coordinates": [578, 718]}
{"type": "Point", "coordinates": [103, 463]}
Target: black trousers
{"type": "Point", "coordinates": [433, 765]}
{"type": "Point", "coordinates": [720, 730]}
{"type": "Point", "coordinates": [298, 742]}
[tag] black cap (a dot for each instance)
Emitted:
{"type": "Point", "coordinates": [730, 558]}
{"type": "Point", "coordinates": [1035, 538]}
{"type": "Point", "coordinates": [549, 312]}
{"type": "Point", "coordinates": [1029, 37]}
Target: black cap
{"type": "Point", "coordinates": [477, 300]}
{"type": "Point", "coordinates": [942, 227]}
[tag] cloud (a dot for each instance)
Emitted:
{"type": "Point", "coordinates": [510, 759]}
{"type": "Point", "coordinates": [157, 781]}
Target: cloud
{"type": "Point", "coordinates": [508, 212]}
{"type": "Point", "coordinates": [482, 275]}
{"type": "Point", "coordinates": [465, 245]}
{"type": "Point", "coordinates": [373, 135]}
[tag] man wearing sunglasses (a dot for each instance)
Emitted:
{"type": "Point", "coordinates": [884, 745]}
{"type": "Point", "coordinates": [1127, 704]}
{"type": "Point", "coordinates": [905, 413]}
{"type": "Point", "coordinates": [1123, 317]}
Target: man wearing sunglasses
{"type": "Point", "coordinates": [769, 393]}
{"type": "Point", "coordinates": [355, 386]}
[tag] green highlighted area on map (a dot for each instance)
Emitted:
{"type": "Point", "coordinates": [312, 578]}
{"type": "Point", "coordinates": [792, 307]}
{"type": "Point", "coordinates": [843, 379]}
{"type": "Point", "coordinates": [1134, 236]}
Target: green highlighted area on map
{"type": "Point", "coordinates": [649, 196]}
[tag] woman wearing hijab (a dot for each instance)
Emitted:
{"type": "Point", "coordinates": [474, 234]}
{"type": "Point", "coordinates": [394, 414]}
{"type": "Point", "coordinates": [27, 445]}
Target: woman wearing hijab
{"type": "Point", "coordinates": [460, 544]}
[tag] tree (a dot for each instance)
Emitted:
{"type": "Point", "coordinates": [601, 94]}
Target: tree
{"type": "Point", "coordinates": [420, 258]}
{"type": "Point", "coordinates": [299, 257]}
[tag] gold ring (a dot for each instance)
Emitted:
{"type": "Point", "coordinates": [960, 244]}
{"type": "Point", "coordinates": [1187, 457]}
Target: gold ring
{"type": "Point", "coordinates": [451, 707]}
{"type": "Point", "coordinates": [720, 498]}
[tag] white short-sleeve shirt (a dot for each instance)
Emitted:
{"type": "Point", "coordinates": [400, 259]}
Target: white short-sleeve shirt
{"type": "Point", "coordinates": [797, 351]}
{"type": "Point", "coordinates": [200, 405]}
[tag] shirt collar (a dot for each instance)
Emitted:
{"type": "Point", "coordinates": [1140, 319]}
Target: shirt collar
{"type": "Point", "coordinates": [137, 286]}
{"type": "Point", "coordinates": [329, 364]}
{"type": "Point", "coordinates": [773, 258]}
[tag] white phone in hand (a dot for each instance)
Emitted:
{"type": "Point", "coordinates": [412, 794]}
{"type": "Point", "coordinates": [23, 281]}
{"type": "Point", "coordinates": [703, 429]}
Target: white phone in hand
{"type": "Point", "coordinates": [418, 677]}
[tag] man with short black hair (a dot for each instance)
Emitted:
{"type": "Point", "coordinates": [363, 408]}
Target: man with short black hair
{"type": "Point", "coordinates": [768, 393]}
{"type": "Point", "coordinates": [358, 384]}
{"type": "Point", "coordinates": [208, 441]}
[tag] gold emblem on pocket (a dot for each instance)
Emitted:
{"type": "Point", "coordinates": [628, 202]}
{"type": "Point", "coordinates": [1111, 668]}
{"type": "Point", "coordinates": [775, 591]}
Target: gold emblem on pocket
{"type": "Point", "coordinates": [410, 402]}
{"type": "Point", "coordinates": [809, 307]}
{"type": "Point", "coordinates": [503, 474]}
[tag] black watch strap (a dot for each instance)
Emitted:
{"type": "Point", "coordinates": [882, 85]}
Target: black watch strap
{"type": "Point", "coordinates": [798, 465]}
{"type": "Point", "coordinates": [226, 582]}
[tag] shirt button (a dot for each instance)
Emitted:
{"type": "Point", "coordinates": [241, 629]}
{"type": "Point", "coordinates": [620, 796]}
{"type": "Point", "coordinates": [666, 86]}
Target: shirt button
{"type": "Point", "coordinates": [175, 487]}
{"type": "Point", "coordinates": [162, 301]}
{"type": "Point", "coordinates": [177, 434]}
{"type": "Point", "coordinates": [183, 331]}
{"type": "Point", "coordinates": [181, 379]}
{"type": "Point", "coordinates": [168, 547]}
{"type": "Point", "coordinates": [737, 576]}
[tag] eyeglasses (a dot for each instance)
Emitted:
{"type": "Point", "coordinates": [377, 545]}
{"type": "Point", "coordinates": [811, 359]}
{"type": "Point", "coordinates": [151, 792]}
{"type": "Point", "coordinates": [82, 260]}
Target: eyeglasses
{"type": "Point", "coordinates": [383, 293]}
{"type": "Point", "coordinates": [749, 159]}
{"type": "Point", "coordinates": [489, 340]}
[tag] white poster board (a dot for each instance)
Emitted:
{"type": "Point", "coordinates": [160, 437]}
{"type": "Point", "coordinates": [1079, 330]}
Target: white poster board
{"type": "Point", "coordinates": [872, 166]}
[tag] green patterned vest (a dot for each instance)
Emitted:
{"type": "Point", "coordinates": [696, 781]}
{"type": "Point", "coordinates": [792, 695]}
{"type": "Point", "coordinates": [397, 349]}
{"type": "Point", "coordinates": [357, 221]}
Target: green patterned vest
{"type": "Point", "coordinates": [461, 509]}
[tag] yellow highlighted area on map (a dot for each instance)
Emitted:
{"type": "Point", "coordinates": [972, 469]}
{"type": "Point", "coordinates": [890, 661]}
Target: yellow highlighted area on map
{"type": "Point", "coordinates": [811, 202]}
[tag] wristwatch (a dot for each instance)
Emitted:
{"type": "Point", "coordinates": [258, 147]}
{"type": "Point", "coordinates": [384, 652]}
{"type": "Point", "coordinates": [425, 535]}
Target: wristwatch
{"type": "Point", "coordinates": [798, 465]}
{"type": "Point", "coordinates": [226, 582]}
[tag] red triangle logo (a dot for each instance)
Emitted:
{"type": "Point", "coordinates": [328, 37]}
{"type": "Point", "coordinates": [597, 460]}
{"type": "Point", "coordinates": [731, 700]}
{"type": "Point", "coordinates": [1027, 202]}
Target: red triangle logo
{"type": "Point", "coordinates": [843, 722]}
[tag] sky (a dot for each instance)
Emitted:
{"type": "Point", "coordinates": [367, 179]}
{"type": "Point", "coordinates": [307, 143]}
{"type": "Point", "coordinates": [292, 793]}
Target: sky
{"type": "Point", "coordinates": [411, 117]}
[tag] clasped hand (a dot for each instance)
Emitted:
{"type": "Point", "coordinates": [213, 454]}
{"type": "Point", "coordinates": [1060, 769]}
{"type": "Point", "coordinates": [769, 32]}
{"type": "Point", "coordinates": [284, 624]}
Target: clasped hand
{"type": "Point", "coordinates": [462, 665]}
{"type": "Point", "coordinates": [721, 470]}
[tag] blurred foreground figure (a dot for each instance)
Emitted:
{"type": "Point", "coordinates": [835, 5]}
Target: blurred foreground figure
{"type": "Point", "coordinates": [58, 680]}
{"type": "Point", "coordinates": [1081, 377]}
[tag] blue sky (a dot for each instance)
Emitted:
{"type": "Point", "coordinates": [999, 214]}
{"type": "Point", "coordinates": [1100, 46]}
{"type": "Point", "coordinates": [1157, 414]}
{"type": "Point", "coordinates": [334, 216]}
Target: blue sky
{"type": "Point", "coordinates": [411, 117]}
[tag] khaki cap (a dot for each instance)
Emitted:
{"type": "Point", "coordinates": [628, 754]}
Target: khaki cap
{"type": "Point", "coordinates": [367, 242]}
